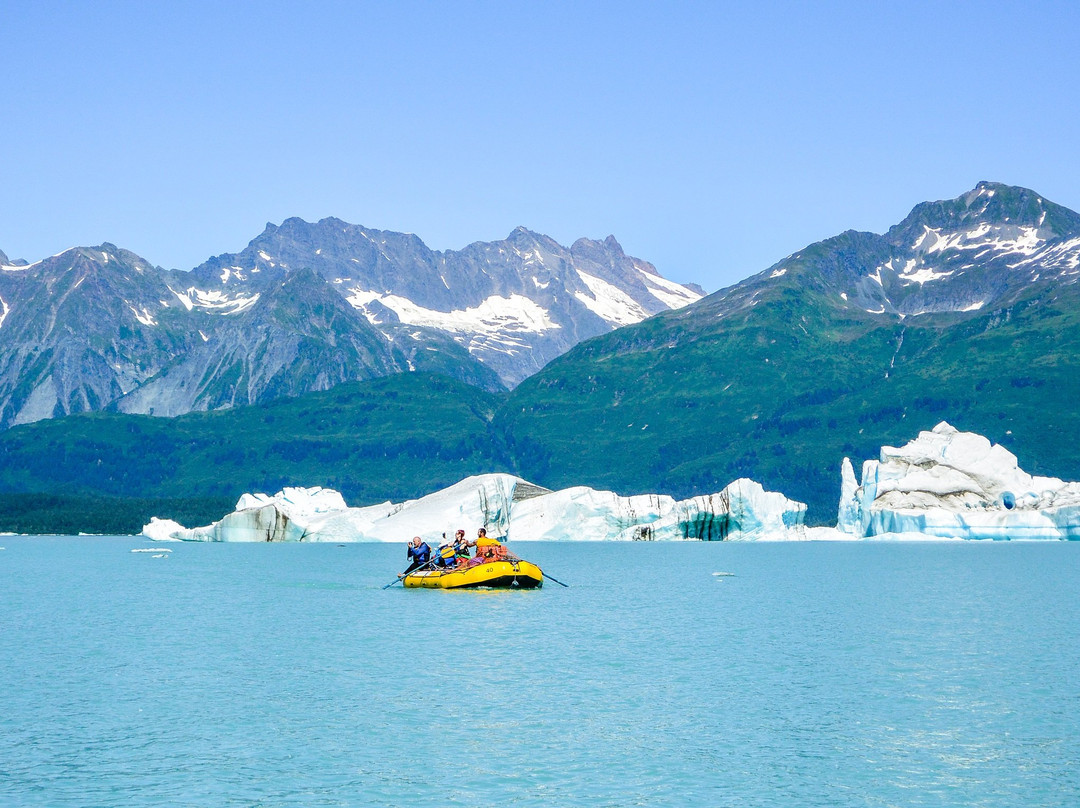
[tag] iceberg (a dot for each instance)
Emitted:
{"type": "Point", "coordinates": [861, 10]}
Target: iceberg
{"type": "Point", "coordinates": [742, 511]}
{"type": "Point", "coordinates": [506, 506]}
{"type": "Point", "coordinates": [952, 484]}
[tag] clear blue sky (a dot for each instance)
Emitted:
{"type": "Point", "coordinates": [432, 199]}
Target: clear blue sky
{"type": "Point", "coordinates": [712, 139]}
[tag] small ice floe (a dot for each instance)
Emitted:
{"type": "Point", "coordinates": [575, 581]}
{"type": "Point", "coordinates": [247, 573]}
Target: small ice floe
{"type": "Point", "coordinates": [159, 555]}
{"type": "Point", "coordinates": [160, 550]}
{"type": "Point", "coordinates": [723, 575]}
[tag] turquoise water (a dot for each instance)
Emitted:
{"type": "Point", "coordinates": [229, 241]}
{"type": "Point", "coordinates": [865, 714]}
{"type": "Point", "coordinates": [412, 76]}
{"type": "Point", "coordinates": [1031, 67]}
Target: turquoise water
{"type": "Point", "coordinates": [812, 675]}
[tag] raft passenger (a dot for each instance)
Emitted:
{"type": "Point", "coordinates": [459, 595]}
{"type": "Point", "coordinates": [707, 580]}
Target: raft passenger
{"type": "Point", "coordinates": [461, 548]}
{"type": "Point", "coordinates": [446, 557]}
{"type": "Point", "coordinates": [419, 555]}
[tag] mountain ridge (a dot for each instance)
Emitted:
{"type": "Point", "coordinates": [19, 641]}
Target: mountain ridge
{"type": "Point", "coordinates": [968, 310]}
{"type": "Point", "coordinates": [100, 327]}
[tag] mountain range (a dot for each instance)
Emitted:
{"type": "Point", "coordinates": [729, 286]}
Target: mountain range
{"type": "Point", "coordinates": [968, 311]}
{"type": "Point", "coordinates": [304, 307]}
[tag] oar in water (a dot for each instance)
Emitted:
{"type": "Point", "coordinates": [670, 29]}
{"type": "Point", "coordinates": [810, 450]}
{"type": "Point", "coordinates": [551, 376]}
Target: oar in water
{"type": "Point", "coordinates": [560, 583]}
{"type": "Point", "coordinates": [401, 578]}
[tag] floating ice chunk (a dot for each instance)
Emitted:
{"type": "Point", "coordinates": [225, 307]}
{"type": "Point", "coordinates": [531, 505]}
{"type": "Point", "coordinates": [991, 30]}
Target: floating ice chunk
{"type": "Point", "coordinates": [952, 484]}
{"type": "Point", "coordinates": [742, 511]}
{"type": "Point", "coordinates": [505, 506]}
{"type": "Point", "coordinates": [321, 515]}
{"type": "Point", "coordinates": [163, 530]}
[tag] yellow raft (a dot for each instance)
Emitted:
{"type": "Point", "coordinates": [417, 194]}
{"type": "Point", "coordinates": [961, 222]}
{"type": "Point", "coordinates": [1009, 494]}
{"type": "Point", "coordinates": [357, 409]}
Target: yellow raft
{"type": "Point", "coordinates": [509, 574]}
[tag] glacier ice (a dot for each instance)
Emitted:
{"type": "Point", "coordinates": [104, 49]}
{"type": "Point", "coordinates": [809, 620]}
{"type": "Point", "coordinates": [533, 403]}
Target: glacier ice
{"type": "Point", "coordinates": [506, 506]}
{"type": "Point", "coordinates": [945, 484]}
{"type": "Point", "coordinates": [742, 511]}
{"type": "Point", "coordinates": [952, 484]}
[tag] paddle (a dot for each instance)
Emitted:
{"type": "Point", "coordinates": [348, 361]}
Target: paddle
{"type": "Point", "coordinates": [560, 583]}
{"type": "Point", "coordinates": [401, 578]}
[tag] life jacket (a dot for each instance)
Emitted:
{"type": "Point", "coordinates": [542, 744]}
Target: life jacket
{"type": "Point", "coordinates": [446, 555]}
{"type": "Point", "coordinates": [490, 548]}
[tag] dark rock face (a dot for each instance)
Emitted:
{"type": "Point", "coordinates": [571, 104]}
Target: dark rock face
{"type": "Point", "coordinates": [80, 330]}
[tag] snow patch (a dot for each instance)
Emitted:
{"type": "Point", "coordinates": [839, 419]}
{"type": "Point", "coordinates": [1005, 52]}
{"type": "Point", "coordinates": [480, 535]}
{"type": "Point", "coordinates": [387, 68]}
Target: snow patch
{"type": "Point", "coordinates": [214, 301]}
{"type": "Point", "coordinates": [494, 317]}
{"type": "Point", "coordinates": [5, 312]}
{"type": "Point", "coordinates": [924, 275]}
{"type": "Point", "coordinates": [232, 272]}
{"type": "Point", "coordinates": [671, 294]}
{"type": "Point", "coordinates": [1002, 239]}
{"type": "Point", "coordinates": [609, 302]}
{"type": "Point", "coordinates": [143, 315]}
{"type": "Point", "coordinates": [1063, 255]}
{"type": "Point", "coordinates": [183, 298]}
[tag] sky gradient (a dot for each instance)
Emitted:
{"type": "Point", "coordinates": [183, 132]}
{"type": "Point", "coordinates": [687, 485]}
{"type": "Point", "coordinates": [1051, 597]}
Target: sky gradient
{"type": "Point", "coordinates": [711, 139]}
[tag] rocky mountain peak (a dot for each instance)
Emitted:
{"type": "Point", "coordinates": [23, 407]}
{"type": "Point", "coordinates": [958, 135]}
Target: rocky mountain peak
{"type": "Point", "coordinates": [1013, 210]}
{"type": "Point", "coordinates": [12, 262]}
{"type": "Point", "coordinates": [979, 250]}
{"type": "Point", "coordinates": [523, 238]}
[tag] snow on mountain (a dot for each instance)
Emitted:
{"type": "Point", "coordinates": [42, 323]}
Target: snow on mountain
{"type": "Point", "coordinates": [674, 295]}
{"type": "Point", "coordinates": [609, 302]}
{"type": "Point", "coordinates": [81, 329]}
{"type": "Point", "coordinates": [493, 321]}
{"type": "Point", "coordinates": [952, 484]}
{"type": "Point", "coordinates": [513, 304]}
{"type": "Point", "coordinates": [304, 307]}
{"type": "Point", "coordinates": [214, 301]}
{"type": "Point", "coordinates": [506, 506]}
{"type": "Point", "coordinates": [953, 256]}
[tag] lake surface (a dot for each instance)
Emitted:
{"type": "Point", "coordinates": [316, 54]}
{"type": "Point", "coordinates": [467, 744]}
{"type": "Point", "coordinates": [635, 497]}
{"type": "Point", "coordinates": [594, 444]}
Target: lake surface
{"type": "Point", "coordinates": [811, 674]}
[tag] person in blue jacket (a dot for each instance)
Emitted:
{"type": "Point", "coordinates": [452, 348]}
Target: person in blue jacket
{"type": "Point", "coordinates": [419, 555]}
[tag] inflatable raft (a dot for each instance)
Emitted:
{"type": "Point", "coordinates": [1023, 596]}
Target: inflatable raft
{"type": "Point", "coordinates": [509, 574]}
